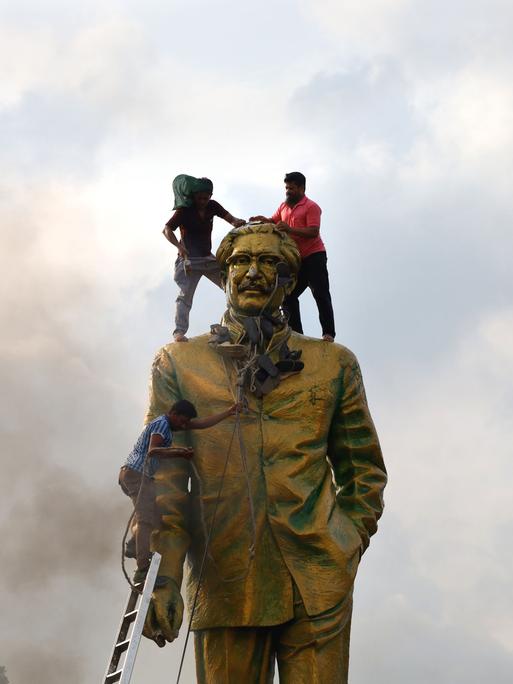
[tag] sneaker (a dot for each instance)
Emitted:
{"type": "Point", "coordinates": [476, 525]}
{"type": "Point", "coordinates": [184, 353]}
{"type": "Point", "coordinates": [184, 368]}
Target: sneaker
{"type": "Point", "coordinates": [130, 548]}
{"type": "Point", "coordinates": [180, 337]}
{"type": "Point", "coordinates": [328, 338]}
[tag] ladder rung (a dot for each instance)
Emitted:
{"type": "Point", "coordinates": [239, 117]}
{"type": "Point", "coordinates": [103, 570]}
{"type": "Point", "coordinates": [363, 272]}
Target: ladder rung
{"type": "Point", "coordinates": [122, 646]}
{"type": "Point", "coordinates": [114, 677]}
{"type": "Point", "coordinates": [130, 616]}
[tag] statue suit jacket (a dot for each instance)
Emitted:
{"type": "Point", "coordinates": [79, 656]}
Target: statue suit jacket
{"type": "Point", "coordinates": [301, 494]}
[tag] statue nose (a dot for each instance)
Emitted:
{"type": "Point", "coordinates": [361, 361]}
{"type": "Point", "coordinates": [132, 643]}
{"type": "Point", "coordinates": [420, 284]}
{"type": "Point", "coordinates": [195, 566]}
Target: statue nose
{"type": "Point", "coordinates": [253, 271]}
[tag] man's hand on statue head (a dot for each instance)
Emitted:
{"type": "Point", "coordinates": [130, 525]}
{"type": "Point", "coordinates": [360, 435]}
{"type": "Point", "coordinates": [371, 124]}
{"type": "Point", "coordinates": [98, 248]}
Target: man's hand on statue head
{"type": "Point", "coordinates": [284, 227]}
{"type": "Point", "coordinates": [238, 223]}
{"type": "Point", "coordinates": [165, 613]}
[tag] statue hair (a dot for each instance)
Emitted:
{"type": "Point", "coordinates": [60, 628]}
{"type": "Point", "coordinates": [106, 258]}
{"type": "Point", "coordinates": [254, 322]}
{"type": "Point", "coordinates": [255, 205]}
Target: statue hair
{"type": "Point", "coordinates": [288, 247]}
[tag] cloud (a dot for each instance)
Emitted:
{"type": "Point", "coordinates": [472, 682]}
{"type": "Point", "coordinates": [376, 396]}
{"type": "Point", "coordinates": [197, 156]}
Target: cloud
{"type": "Point", "coordinates": [360, 107]}
{"type": "Point", "coordinates": [429, 37]}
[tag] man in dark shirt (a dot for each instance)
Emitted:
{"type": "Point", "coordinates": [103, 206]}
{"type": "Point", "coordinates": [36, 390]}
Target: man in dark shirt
{"type": "Point", "coordinates": [195, 258]}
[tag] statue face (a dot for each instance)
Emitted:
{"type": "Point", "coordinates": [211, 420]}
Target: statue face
{"type": "Point", "coordinates": [251, 276]}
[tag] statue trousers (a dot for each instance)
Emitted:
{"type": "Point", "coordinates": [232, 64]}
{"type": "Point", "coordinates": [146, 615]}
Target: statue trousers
{"type": "Point", "coordinates": [308, 650]}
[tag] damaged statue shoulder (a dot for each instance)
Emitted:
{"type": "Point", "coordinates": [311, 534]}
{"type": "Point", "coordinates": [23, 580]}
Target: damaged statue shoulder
{"type": "Point", "coordinates": [184, 349]}
{"type": "Point", "coordinates": [173, 355]}
{"type": "Point", "coordinates": [333, 350]}
{"type": "Point", "coordinates": [220, 340]}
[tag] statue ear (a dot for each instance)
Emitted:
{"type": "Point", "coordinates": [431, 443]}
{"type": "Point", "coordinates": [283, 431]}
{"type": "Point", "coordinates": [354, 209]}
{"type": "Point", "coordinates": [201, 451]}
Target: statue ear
{"type": "Point", "coordinates": [224, 278]}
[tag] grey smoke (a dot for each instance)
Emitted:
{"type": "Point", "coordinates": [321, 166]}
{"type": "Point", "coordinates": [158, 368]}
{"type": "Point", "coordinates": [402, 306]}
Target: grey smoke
{"type": "Point", "coordinates": [48, 664]}
{"type": "Point", "coordinates": [58, 525]}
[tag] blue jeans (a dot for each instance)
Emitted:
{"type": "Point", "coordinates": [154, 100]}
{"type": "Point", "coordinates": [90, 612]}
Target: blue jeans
{"type": "Point", "coordinates": [187, 280]}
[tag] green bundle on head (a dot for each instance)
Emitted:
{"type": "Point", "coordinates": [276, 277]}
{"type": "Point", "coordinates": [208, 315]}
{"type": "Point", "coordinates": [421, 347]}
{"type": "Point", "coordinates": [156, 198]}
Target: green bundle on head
{"type": "Point", "coordinates": [185, 186]}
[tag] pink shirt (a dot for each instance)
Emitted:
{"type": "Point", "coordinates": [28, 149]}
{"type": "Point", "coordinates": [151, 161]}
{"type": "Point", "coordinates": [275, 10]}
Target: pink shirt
{"type": "Point", "coordinates": [304, 213]}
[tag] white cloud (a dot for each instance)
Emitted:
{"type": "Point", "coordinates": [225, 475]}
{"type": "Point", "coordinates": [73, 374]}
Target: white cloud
{"type": "Point", "coordinates": [450, 463]}
{"type": "Point", "coordinates": [362, 26]}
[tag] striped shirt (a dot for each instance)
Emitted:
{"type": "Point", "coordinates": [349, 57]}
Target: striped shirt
{"type": "Point", "coordinates": [158, 426]}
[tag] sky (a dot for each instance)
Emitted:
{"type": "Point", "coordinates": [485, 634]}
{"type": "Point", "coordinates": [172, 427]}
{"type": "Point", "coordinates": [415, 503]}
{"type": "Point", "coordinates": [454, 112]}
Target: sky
{"type": "Point", "coordinates": [399, 113]}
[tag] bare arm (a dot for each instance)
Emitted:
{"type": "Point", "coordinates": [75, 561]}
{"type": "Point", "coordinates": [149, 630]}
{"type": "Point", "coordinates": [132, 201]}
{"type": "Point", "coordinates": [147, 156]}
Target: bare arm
{"type": "Point", "coordinates": [209, 421]}
{"type": "Point", "coordinates": [261, 219]}
{"type": "Point", "coordinates": [171, 452]}
{"type": "Point", "coordinates": [236, 222]}
{"type": "Point", "coordinates": [156, 449]}
{"type": "Point", "coordinates": [306, 231]}
{"type": "Point", "coordinates": [169, 235]}
{"type": "Point", "coordinates": [156, 441]}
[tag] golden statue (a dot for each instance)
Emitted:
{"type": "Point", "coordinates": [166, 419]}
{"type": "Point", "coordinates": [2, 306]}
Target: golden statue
{"type": "Point", "coordinates": [279, 512]}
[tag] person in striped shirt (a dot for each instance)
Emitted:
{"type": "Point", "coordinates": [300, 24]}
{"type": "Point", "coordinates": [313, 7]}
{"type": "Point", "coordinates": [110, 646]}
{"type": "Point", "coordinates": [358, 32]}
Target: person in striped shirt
{"type": "Point", "coordinates": [136, 475]}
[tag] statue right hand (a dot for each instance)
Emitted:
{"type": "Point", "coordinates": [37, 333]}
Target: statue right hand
{"type": "Point", "coordinates": [165, 613]}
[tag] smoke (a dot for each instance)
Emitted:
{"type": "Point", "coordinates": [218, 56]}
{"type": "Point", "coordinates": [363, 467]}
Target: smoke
{"type": "Point", "coordinates": [45, 665]}
{"type": "Point", "coordinates": [58, 525]}
{"type": "Point", "coordinates": [67, 422]}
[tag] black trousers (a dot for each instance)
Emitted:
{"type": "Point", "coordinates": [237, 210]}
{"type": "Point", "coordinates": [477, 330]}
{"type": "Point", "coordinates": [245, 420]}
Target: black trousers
{"type": "Point", "coordinates": [313, 274]}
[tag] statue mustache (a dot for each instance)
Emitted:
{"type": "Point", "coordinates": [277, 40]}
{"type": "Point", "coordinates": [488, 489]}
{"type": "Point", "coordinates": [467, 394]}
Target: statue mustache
{"type": "Point", "coordinates": [248, 285]}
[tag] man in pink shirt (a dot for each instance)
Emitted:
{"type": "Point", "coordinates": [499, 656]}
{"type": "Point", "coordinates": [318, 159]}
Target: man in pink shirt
{"type": "Point", "coordinates": [301, 219]}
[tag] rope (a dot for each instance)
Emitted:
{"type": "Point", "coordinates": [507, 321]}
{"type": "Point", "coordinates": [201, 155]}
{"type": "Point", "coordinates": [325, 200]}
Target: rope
{"type": "Point", "coordinates": [123, 542]}
{"type": "Point", "coordinates": [207, 544]}
{"type": "Point", "coordinates": [243, 458]}
{"type": "Point", "coordinates": [238, 396]}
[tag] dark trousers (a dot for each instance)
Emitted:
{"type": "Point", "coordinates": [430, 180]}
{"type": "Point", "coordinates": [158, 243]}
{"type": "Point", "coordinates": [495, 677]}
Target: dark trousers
{"type": "Point", "coordinates": [313, 274]}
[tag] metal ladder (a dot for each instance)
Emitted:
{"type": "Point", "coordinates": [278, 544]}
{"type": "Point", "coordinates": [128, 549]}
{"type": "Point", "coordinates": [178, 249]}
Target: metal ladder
{"type": "Point", "coordinates": [134, 614]}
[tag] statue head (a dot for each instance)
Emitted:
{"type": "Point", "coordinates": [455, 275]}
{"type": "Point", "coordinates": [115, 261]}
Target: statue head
{"type": "Point", "coordinates": [259, 265]}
